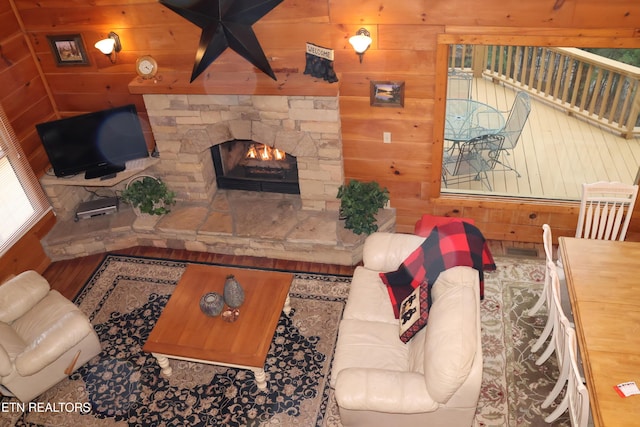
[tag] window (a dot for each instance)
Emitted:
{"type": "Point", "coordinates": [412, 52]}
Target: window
{"type": "Point", "coordinates": [580, 127]}
{"type": "Point", "coordinates": [22, 201]}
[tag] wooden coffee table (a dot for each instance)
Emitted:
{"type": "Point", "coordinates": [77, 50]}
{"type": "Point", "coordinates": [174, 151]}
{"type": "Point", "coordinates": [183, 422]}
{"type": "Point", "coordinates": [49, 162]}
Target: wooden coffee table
{"type": "Point", "coordinates": [184, 332]}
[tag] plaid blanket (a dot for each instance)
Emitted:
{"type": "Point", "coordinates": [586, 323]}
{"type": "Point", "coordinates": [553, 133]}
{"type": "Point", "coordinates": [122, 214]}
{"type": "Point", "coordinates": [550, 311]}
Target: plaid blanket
{"type": "Point", "coordinates": [448, 245]}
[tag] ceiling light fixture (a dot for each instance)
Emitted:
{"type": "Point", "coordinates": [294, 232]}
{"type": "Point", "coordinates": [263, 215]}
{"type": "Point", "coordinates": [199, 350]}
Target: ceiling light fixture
{"type": "Point", "coordinates": [110, 46]}
{"type": "Point", "coordinates": [361, 42]}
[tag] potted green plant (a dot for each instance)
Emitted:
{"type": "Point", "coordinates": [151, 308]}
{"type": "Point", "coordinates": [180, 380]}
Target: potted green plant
{"type": "Point", "coordinates": [148, 195]}
{"type": "Point", "coordinates": [359, 203]}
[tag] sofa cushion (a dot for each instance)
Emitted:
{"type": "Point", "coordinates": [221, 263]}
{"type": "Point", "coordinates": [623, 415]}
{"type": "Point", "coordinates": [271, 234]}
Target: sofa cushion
{"type": "Point", "coordinates": [452, 334]}
{"type": "Point", "coordinates": [386, 251]}
{"type": "Point", "coordinates": [368, 298]}
{"type": "Point", "coordinates": [367, 344]}
{"type": "Point", "coordinates": [414, 313]}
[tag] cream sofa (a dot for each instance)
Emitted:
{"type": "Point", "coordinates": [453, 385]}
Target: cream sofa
{"type": "Point", "coordinates": [43, 337]}
{"type": "Point", "coordinates": [435, 378]}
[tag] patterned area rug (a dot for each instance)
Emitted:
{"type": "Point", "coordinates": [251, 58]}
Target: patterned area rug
{"type": "Point", "coordinates": [124, 387]}
{"type": "Point", "coordinates": [513, 386]}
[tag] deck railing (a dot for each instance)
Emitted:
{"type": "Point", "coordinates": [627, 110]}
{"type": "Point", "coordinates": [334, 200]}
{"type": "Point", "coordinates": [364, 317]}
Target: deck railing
{"type": "Point", "coordinates": [598, 89]}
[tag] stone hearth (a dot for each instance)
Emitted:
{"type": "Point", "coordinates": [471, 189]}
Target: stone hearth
{"type": "Point", "coordinates": [228, 225]}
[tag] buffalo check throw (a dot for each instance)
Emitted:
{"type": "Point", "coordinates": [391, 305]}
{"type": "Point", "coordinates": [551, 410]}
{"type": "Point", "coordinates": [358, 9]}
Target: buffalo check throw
{"type": "Point", "coordinates": [447, 246]}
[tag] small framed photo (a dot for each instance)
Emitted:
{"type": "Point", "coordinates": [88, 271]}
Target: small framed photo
{"type": "Point", "coordinates": [68, 50]}
{"type": "Point", "coordinates": [387, 94]}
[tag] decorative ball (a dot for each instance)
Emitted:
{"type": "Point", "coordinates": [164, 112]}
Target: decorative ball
{"type": "Point", "coordinates": [211, 304]}
{"type": "Point", "coordinates": [233, 292]}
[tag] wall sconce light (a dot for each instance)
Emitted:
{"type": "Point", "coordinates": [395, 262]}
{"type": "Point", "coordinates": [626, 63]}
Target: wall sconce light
{"type": "Point", "coordinates": [360, 41]}
{"type": "Point", "coordinates": [110, 46]}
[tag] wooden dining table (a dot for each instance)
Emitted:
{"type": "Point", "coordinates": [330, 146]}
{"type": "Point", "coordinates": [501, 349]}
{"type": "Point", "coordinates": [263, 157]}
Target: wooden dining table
{"type": "Point", "coordinates": [603, 279]}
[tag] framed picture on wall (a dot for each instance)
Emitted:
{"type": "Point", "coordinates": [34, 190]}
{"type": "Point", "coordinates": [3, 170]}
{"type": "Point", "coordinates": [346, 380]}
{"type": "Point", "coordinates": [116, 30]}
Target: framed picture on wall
{"type": "Point", "coordinates": [386, 94]}
{"type": "Point", "coordinates": [68, 50]}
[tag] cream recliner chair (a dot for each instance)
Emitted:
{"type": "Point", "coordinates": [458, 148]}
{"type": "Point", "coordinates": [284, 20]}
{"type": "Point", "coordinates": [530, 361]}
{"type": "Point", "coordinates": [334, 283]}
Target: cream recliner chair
{"type": "Point", "coordinates": [44, 337]}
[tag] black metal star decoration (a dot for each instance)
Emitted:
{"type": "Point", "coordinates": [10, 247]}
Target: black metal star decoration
{"type": "Point", "coordinates": [225, 23]}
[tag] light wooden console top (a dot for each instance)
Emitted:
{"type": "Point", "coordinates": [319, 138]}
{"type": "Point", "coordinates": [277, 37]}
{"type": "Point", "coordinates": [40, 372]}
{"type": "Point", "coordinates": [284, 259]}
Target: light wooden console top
{"type": "Point", "coordinates": [79, 180]}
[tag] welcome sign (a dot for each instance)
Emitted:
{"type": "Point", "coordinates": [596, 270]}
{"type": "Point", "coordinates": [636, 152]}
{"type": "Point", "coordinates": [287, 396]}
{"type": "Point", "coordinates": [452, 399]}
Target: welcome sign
{"type": "Point", "coordinates": [319, 62]}
{"type": "Point", "coordinates": [319, 51]}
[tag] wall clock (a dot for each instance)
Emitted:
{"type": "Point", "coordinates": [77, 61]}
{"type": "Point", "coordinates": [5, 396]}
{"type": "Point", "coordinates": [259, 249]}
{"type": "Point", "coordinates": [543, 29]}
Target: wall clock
{"type": "Point", "coordinates": [146, 67]}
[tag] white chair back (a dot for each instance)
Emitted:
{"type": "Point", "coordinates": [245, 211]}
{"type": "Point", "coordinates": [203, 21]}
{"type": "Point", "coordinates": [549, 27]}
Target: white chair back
{"type": "Point", "coordinates": [559, 337]}
{"type": "Point", "coordinates": [576, 397]}
{"type": "Point", "coordinates": [577, 392]}
{"type": "Point", "coordinates": [550, 288]}
{"type": "Point", "coordinates": [605, 210]}
{"type": "Point", "coordinates": [544, 295]}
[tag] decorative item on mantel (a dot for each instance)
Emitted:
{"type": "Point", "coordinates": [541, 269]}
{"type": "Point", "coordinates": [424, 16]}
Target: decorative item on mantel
{"type": "Point", "coordinates": [227, 26]}
{"type": "Point", "coordinates": [212, 304]}
{"type": "Point", "coordinates": [319, 63]}
{"type": "Point", "coordinates": [233, 297]}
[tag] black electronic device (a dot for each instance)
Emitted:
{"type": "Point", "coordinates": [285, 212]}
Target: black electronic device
{"type": "Point", "coordinates": [98, 143]}
{"type": "Point", "coordinates": [97, 207]}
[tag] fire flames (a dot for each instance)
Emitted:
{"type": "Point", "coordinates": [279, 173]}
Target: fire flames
{"type": "Point", "coordinates": [264, 152]}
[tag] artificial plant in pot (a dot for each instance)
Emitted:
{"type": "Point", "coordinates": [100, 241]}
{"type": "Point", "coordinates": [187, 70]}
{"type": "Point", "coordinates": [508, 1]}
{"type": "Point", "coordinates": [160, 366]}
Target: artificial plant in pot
{"type": "Point", "coordinates": [359, 203]}
{"type": "Point", "coordinates": [148, 195]}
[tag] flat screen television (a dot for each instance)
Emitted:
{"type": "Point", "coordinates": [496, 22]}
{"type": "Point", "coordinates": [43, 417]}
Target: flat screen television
{"type": "Point", "coordinates": [98, 143]}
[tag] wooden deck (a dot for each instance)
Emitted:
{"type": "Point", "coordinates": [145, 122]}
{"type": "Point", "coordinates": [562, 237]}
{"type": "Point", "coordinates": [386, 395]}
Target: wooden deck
{"type": "Point", "coordinates": [555, 154]}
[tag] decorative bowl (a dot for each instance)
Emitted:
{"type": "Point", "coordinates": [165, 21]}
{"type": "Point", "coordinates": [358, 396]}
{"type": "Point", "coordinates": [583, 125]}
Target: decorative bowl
{"type": "Point", "coordinates": [212, 304]}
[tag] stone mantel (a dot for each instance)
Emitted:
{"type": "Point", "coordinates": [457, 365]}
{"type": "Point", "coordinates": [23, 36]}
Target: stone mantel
{"type": "Point", "coordinates": [288, 84]}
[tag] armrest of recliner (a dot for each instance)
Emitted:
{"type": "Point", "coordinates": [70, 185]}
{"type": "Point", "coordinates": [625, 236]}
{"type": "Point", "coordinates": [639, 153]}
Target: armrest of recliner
{"type": "Point", "coordinates": [19, 294]}
{"type": "Point", "coordinates": [53, 343]}
{"type": "Point", "coordinates": [382, 390]}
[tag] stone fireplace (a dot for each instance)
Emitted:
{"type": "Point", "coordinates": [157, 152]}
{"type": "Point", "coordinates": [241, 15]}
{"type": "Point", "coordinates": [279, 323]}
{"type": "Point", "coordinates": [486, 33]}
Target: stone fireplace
{"type": "Point", "coordinates": [185, 127]}
{"type": "Point", "coordinates": [251, 166]}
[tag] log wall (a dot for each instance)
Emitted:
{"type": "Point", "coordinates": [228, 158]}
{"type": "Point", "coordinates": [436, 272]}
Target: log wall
{"type": "Point", "coordinates": [409, 44]}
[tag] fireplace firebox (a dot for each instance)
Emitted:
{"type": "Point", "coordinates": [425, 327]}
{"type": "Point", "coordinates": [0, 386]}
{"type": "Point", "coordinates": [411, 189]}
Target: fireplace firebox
{"type": "Point", "coordinates": [249, 165]}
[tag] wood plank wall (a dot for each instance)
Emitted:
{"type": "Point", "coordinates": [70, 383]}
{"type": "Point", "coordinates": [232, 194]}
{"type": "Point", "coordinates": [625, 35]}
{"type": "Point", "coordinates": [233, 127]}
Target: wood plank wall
{"type": "Point", "coordinates": [24, 97]}
{"type": "Point", "coordinates": [405, 47]}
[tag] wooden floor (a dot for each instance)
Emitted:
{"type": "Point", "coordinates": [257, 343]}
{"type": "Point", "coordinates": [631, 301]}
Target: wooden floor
{"type": "Point", "coordinates": [69, 276]}
{"type": "Point", "coordinates": [556, 152]}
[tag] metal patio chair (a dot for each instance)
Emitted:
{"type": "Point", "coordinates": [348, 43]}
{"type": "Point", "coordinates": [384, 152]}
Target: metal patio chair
{"type": "Point", "coordinates": [470, 162]}
{"type": "Point", "coordinates": [510, 133]}
{"type": "Point", "coordinates": [459, 85]}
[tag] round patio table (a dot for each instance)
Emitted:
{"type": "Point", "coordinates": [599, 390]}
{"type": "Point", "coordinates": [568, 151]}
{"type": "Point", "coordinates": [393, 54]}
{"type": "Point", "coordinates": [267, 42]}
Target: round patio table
{"type": "Point", "coordinates": [466, 119]}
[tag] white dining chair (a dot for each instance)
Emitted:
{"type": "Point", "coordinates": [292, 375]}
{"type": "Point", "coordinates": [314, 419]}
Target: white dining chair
{"type": "Point", "coordinates": [546, 298]}
{"type": "Point", "coordinates": [548, 250]}
{"type": "Point", "coordinates": [605, 210]}
{"type": "Point", "coordinates": [551, 287]}
{"type": "Point", "coordinates": [560, 343]}
{"type": "Point", "coordinates": [576, 398]}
